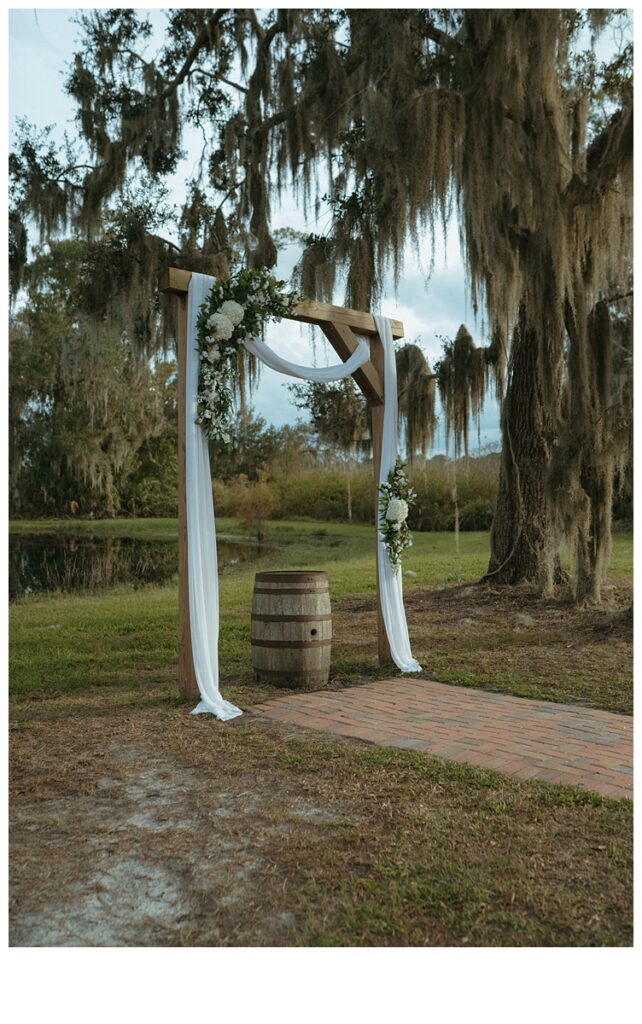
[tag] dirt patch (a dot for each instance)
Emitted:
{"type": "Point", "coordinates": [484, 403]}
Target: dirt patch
{"type": "Point", "coordinates": [125, 846]}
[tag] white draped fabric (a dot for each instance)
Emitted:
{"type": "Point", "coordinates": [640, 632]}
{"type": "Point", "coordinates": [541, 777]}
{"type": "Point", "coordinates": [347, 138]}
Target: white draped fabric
{"type": "Point", "coordinates": [201, 527]}
{"type": "Point", "coordinates": [202, 569]}
{"type": "Point", "coordinates": [390, 583]}
{"type": "Point", "coordinates": [321, 374]}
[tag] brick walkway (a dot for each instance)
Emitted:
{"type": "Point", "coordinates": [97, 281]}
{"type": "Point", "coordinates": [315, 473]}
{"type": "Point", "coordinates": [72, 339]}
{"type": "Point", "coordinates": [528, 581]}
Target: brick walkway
{"type": "Point", "coordinates": [529, 739]}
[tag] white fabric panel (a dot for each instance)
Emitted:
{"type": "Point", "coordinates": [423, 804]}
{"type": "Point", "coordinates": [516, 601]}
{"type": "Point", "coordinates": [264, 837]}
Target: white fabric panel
{"type": "Point", "coordinates": [202, 567]}
{"type": "Point", "coordinates": [390, 583]}
{"type": "Point", "coordinates": [322, 374]}
{"type": "Point", "coordinates": [201, 528]}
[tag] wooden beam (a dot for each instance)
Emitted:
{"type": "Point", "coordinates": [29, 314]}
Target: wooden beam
{"type": "Point", "coordinates": [186, 675]}
{"type": "Point", "coordinates": [176, 282]}
{"type": "Point", "coordinates": [311, 312]}
{"type": "Point", "coordinates": [344, 343]}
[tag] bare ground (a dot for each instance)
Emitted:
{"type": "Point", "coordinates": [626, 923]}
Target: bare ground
{"type": "Point", "coordinates": [135, 824]}
{"type": "Point", "coordinates": [512, 640]}
{"type": "Point", "coordinates": [124, 836]}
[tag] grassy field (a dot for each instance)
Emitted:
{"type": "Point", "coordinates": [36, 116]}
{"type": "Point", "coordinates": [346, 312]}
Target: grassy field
{"type": "Point", "coordinates": [474, 636]}
{"type": "Point", "coordinates": [334, 842]}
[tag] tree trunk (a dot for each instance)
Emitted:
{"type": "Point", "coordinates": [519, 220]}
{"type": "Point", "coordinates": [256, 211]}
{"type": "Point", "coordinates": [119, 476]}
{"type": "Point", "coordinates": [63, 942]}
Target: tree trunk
{"type": "Point", "coordinates": [590, 403]}
{"type": "Point", "coordinates": [593, 545]}
{"type": "Point", "coordinates": [522, 542]}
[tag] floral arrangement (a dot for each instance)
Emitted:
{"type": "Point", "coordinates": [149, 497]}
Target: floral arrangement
{"type": "Point", "coordinates": [395, 500]}
{"type": "Point", "coordinates": [237, 308]}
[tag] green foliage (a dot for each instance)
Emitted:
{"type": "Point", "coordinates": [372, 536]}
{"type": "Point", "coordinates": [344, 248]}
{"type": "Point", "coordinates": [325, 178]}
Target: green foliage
{"type": "Point", "coordinates": [339, 413]}
{"type": "Point", "coordinates": [396, 499]}
{"type": "Point", "coordinates": [321, 493]}
{"type": "Point", "coordinates": [255, 446]}
{"type": "Point", "coordinates": [90, 425]}
{"type": "Point", "coordinates": [476, 514]}
{"type": "Point", "coordinates": [251, 298]}
{"type": "Point", "coordinates": [342, 417]}
{"type": "Point", "coordinates": [416, 400]}
{"type": "Point", "coordinates": [257, 503]}
{"type": "Point", "coordinates": [463, 375]}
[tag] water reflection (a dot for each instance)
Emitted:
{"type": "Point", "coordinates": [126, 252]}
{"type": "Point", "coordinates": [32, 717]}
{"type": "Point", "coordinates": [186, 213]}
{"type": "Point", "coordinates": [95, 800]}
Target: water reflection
{"type": "Point", "coordinates": [43, 562]}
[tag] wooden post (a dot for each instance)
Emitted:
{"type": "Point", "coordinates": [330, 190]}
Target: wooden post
{"type": "Point", "coordinates": [186, 675]}
{"type": "Point", "coordinates": [377, 411]}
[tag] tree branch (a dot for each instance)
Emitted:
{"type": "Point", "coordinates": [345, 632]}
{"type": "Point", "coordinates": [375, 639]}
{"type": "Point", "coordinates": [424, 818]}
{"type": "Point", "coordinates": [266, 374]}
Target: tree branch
{"type": "Point", "coordinates": [611, 148]}
{"type": "Point", "coordinates": [229, 192]}
{"type": "Point", "coordinates": [282, 115]}
{"type": "Point", "coordinates": [202, 39]}
{"type": "Point", "coordinates": [235, 85]}
{"type": "Point", "coordinates": [166, 241]}
{"type": "Point", "coordinates": [607, 155]}
{"type": "Point", "coordinates": [442, 39]}
{"type": "Point", "coordinates": [612, 299]}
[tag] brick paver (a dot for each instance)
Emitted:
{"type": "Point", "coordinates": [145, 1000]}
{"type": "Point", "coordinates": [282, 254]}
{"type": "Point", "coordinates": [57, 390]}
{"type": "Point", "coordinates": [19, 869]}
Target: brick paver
{"type": "Point", "coordinates": [529, 739]}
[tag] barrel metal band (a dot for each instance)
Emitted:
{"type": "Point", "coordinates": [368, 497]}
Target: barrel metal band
{"type": "Point", "coordinates": [296, 576]}
{"type": "Point", "coordinates": [291, 618]}
{"type": "Point", "coordinates": [290, 673]}
{"type": "Point", "coordinates": [291, 644]}
{"type": "Point", "coordinates": [290, 590]}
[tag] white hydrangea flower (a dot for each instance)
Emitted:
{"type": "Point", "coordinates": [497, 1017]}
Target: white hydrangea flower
{"type": "Point", "coordinates": [221, 327]}
{"type": "Point", "coordinates": [397, 510]}
{"type": "Point", "coordinates": [233, 311]}
{"type": "Point", "coordinates": [213, 354]}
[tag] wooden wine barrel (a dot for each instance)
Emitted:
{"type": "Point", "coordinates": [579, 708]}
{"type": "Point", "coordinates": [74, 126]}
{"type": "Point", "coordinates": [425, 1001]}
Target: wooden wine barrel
{"type": "Point", "coordinates": [291, 629]}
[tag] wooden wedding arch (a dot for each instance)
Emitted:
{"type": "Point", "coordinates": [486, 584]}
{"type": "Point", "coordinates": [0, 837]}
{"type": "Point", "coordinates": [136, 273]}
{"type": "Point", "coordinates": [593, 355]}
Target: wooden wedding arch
{"type": "Point", "coordinates": [340, 325]}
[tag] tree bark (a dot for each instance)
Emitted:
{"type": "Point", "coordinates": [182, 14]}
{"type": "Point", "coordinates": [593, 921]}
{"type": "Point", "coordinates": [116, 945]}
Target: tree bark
{"type": "Point", "coordinates": [594, 531]}
{"type": "Point", "coordinates": [522, 543]}
{"type": "Point", "coordinates": [591, 397]}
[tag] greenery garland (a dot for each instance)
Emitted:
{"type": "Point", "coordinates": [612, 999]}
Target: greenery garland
{"type": "Point", "coordinates": [238, 307]}
{"type": "Point", "coordinates": [396, 498]}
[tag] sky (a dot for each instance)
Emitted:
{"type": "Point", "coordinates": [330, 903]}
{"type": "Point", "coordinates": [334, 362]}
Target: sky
{"type": "Point", "coordinates": [41, 43]}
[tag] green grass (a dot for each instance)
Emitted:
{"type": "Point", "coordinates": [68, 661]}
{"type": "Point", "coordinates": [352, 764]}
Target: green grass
{"type": "Point", "coordinates": [125, 637]}
{"type": "Point", "coordinates": [66, 642]}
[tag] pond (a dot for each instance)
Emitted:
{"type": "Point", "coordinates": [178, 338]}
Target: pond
{"type": "Point", "coordinates": [44, 562]}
